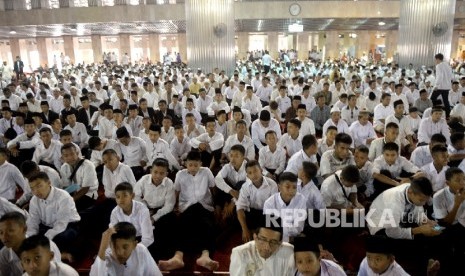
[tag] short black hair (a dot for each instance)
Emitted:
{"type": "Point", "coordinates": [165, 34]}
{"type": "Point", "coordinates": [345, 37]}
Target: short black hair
{"type": "Point", "coordinates": [439, 56]}
{"type": "Point", "coordinates": [65, 132]}
{"type": "Point", "coordinates": [391, 146]}
{"type": "Point", "coordinates": [28, 167]}
{"type": "Point", "coordinates": [14, 216]}
{"type": "Point", "coordinates": [456, 137]}
{"type": "Point", "coordinates": [351, 174]}
{"type": "Point", "coordinates": [296, 122]}
{"type": "Point", "coordinates": [33, 242]}
{"type": "Point", "coordinates": [238, 147]}
{"type": "Point", "coordinates": [310, 169]}
{"type": "Point", "coordinates": [39, 176]}
{"type": "Point", "coordinates": [438, 138]}
{"type": "Point", "coordinates": [109, 151]}
{"type": "Point", "coordinates": [449, 173]}
{"type": "Point", "coordinates": [67, 146]}
{"type": "Point", "coordinates": [363, 149]}
{"type": "Point", "coordinates": [343, 138]}
{"type": "Point", "coordinates": [161, 162]}
{"type": "Point", "coordinates": [194, 156]}
{"type": "Point", "coordinates": [438, 149]}
{"type": "Point", "coordinates": [122, 132]}
{"type": "Point", "coordinates": [308, 141]}
{"type": "Point", "coordinates": [94, 142]}
{"type": "Point", "coordinates": [392, 125]}
{"type": "Point", "coordinates": [124, 231]}
{"type": "Point", "coordinates": [288, 176]}
{"type": "Point", "coordinates": [421, 185]}
{"type": "Point", "coordinates": [252, 163]}
{"type": "Point", "coordinates": [269, 132]}
{"type": "Point", "coordinates": [124, 187]}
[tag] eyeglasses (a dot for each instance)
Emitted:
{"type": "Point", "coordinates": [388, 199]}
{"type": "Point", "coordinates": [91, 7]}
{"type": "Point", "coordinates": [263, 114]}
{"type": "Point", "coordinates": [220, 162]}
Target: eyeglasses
{"type": "Point", "coordinates": [271, 243]}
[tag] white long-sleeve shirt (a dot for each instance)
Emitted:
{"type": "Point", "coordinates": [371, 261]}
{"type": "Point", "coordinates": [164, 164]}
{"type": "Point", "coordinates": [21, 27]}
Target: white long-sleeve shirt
{"type": "Point", "coordinates": [51, 155]}
{"type": "Point", "coordinates": [251, 197]}
{"type": "Point", "coordinates": [139, 217]}
{"type": "Point", "coordinates": [231, 175]}
{"type": "Point", "coordinates": [388, 210]}
{"type": "Point", "coordinates": [10, 176]}
{"type": "Point", "coordinates": [161, 149]}
{"type": "Point", "coordinates": [444, 76]}
{"type": "Point", "coordinates": [56, 212]}
{"type": "Point", "coordinates": [214, 142]}
{"type": "Point", "coordinates": [195, 188]}
{"type": "Point", "coordinates": [140, 263]}
{"type": "Point", "coordinates": [161, 196]}
{"type": "Point", "coordinates": [259, 131]}
{"type": "Point", "coordinates": [428, 128]}
{"type": "Point", "coordinates": [394, 269]}
{"type": "Point", "coordinates": [85, 176]}
{"type": "Point", "coordinates": [245, 260]}
{"type": "Point", "coordinates": [295, 215]}
{"type": "Point", "coordinates": [272, 160]}
{"type": "Point", "coordinates": [246, 143]}
{"type": "Point", "coordinates": [134, 152]}
{"type": "Point", "coordinates": [111, 179]}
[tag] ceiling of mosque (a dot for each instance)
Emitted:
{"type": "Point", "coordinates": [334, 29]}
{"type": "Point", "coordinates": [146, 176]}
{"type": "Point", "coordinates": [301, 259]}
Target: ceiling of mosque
{"type": "Point", "coordinates": [174, 26]}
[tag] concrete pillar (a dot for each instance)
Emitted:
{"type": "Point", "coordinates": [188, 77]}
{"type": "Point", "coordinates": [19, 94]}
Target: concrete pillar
{"type": "Point", "coordinates": [273, 44]}
{"type": "Point", "coordinates": [242, 45]}
{"type": "Point", "coordinates": [302, 46]}
{"type": "Point", "coordinates": [425, 29]}
{"type": "Point", "coordinates": [182, 46]}
{"type": "Point", "coordinates": [124, 45]}
{"type": "Point", "coordinates": [15, 49]}
{"type": "Point", "coordinates": [2, 5]}
{"type": "Point", "coordinates": [97, 48]}
{"type": "Point", "coordinates": [363, 43]}
{"type": "Point", "coordinates": [332, 44]}
{"type": "Point", "coordinates": [154, 46]}
{"type": "Point", "coordinates": [210, 34]}
{"type": "Point", "coordinates": [42, 48]}
{"type": "Point", "coordinates": [69, 47]}
{"type": "Point", "coordinates": [391, 43]}
{"type": "Point", "coordinates": [454, 53]}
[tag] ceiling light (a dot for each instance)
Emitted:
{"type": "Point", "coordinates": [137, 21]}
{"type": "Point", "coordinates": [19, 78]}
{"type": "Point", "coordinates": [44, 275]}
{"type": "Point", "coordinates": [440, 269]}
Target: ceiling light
{"type": "Point", "coordinates": [381, 23]}
{"type": "Point", "coordinates": [12, 32]}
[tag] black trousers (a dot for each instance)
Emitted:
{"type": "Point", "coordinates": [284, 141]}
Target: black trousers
{"type": "Point", "coordinates": [445, 99]}
{"type": "Point", "coordinates": [197, 229]}
{"type": "Point", "coordinates": [138, 172]}
{"type": "Point", "coordinates": [381, 187]}
{"type": "Point", "coordinates": [266, 68]}
{"type": "Point", "coordinates": [165, 234]}
{"type": "Point", "coordinates": [64, 240]}
{"type": "Point", "coordinates": [220, 197]}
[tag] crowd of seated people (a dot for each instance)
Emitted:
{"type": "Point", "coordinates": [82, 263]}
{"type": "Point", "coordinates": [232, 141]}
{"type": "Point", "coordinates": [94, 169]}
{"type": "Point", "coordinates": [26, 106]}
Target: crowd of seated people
{"type": "Point", "coordinates": [158, 162]}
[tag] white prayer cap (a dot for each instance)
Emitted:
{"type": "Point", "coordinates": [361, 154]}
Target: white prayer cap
{"type": "Point", "coordinates": [335, 109]}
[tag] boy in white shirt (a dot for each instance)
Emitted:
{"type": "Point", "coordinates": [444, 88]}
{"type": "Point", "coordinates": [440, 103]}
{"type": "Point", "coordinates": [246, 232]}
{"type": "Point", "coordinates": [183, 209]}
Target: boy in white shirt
{"type": "Point", "coordinates": [114, 172]}
{"type": "Point", "coordinates": [37, 258]}
{"type": "Point", "coordinates": [334, 160]}
{"type": "Point", "coordinates": [52, 213]}
{"type": "Point", "coordinates": [292, 140]}
{"type": "Point", "coordinates": [339, 191]}
{"type": "Point", "coordinates": [180, 146]}
{"type": "Point", "coordinates": [327, 142]}
{"type": "Point", "coordinates": [272, 158]}
{"type": "Point", "coordinates": [436, 170]}
{"type": "Point", "coordinates": [134, 260]}
{"type": "Point", "coordinates": [239, 138]}
{"type": "Point", "coordinates": [156, 190]}
{"type": "Point", "coordinates": [288, 199]}
{"type": "Point", "coordinates": [167, 131]}
{"type": "Point", "coordinates": [380, 259]}
{"type": "Point", "coordinates": [193, 187]}
{"type": "Point", "coordinates": [132, 211]}
{"type": "Point", "coordinates": [252, 196]}
{"type": "Point", "coordinates": [391, 169]}
{"type": "Point", "coordinates": [449, 210]}
{"type": "Point", "coordinates": [365, 168]}
{"type": "Point", "coordinates": [308, 260]}
{"type": "Point", "coordinates": [159, 148]}
{"type": "Point", "coordinates": [229, 181]}
{"type": "Point", "coordinates": [307, 124]}
{"type": "Point", "coordinates": [209, 144]}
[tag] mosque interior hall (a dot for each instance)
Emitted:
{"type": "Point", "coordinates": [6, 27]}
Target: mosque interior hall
{"type": "Point", "coordinates": [42, 31]}
{"type": "Point", "coordinates": [157, 137]}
